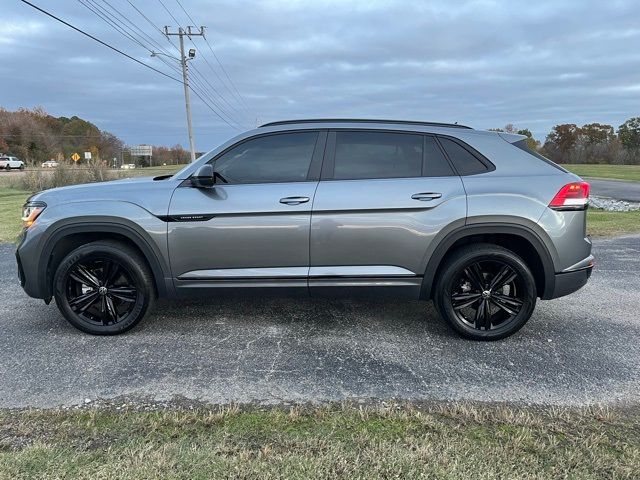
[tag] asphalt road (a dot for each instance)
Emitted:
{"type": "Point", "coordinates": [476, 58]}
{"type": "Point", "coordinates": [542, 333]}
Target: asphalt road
{"type": "Point", "coordinates": [582, 349]}
{"type": "Point", "coordinates": [617, 189]}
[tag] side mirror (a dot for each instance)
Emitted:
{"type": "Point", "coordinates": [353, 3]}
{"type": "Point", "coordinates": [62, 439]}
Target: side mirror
{"type": "Point", "coordinates": [203, 178]}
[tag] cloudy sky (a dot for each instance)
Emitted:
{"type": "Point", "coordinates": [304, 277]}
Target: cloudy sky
{"type": "Point", "coordinates": [482, 63]}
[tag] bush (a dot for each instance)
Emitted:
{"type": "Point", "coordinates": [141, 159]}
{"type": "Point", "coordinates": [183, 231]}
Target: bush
{"type": "Point", "coordinates": [63, 175]}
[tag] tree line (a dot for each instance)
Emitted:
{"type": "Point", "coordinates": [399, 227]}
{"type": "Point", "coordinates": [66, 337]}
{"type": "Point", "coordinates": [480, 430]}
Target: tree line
{"type": "Point", "coordinates": [34, 136]}
{"type": "Point", "coordinates": [590, 143]}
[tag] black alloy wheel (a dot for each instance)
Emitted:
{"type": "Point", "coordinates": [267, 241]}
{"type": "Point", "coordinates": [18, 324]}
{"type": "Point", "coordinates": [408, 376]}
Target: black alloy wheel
{"type": "Point", "coordinates": [485, 292]}
{"type": "Point", "coordinates": [487, 295]}
{"type": "Point", "coordinates": [101, 291]}
{"type": "Point", "coordinates": [104, 287]}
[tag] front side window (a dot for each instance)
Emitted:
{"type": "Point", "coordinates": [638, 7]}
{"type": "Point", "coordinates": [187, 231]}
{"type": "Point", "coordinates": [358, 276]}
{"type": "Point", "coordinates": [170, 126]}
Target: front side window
{"type": "Point", "coordinates": [360, 155]}
{"type": "Point", "coordinates": [270, 159]}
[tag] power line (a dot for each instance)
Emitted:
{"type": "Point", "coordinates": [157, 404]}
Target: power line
{"type": "Point", "coordinates": [241, 114]}
{"type": "Point", "coordinates": [241, 98]}
{"type": "Point", "coordinates": [58, 19]}
{"type": "Point", "coordinates": [198, 74]}
{"type": "Point", "coordinates": [151, 40]}
{"type": "Point", "coordinates": [173, 67]}
{"type": "Point", "coordinates": [157, 28]}
{"type": "Point", "coordinates": [97, 10]}
{"type": "Point", "coordinates": [99, 41]}
{"type": "Point", "coordinates": [170, 14]}
{"type": "Point", "coordinates": [227, 74]}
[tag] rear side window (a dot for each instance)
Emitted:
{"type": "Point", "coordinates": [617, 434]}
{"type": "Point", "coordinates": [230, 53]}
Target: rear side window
{"type": "Point", "coordinates": [273, 158]}
{"type": "Point", "coordinates": [436, 164]}
{"type": "Point", "coordinates": [361, 155]}
{"type": "Point", "coordinates": [464, 161]}
{"type": "Point", "coordinates": [522, 145]}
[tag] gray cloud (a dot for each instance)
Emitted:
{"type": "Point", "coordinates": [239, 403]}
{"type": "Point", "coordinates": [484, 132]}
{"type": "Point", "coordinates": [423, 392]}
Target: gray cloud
{"type": "Point", "coordinates": [483, 63]}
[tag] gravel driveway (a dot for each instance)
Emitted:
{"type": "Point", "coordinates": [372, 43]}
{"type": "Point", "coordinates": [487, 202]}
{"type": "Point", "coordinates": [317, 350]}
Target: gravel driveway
{"type": "Point", "coordinates": [581, 349]}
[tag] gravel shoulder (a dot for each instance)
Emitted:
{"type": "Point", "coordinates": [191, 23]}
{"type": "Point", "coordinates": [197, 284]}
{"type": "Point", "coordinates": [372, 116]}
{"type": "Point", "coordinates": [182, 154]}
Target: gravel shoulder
{"type": "Point", "coordinates": [578, 350]}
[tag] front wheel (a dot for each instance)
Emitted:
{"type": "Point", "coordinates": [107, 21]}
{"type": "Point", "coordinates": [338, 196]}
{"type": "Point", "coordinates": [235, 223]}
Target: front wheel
{"type": "Point", "coordinates": [104, 288]}
{"type": "Point", "coordinates": [485, 292]}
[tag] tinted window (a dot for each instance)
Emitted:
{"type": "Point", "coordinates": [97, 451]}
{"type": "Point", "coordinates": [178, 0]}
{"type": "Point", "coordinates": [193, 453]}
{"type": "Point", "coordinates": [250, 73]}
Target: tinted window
{"type": "Point", "coordinates": [464, 161]}
{"type": "Point", "coordinates": [273, 158]}
{"type": "Point", "coordinates": [436, 163]}
{"type": "Point", "coordinates": [377, 155]}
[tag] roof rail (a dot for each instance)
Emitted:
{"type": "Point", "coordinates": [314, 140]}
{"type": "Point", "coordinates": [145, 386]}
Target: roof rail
{"type": "Point", "coordinates": [360, 120]}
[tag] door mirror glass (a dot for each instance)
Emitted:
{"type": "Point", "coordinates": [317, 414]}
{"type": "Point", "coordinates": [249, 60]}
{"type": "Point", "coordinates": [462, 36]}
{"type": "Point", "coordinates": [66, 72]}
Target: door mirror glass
{"type": "Point", "coordinates": [203, 178]}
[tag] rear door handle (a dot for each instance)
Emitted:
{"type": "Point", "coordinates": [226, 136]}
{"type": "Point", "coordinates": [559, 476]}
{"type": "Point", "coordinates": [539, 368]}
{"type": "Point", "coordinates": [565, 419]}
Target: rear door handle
{"type": "Point", "coordinates": [294, 200]}
{"type": "Point", "coordinates": [426, 196]}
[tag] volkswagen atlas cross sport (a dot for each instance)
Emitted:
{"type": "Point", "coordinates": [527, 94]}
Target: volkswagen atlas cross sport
{"type": "Point", "coordinates": [470, 219]}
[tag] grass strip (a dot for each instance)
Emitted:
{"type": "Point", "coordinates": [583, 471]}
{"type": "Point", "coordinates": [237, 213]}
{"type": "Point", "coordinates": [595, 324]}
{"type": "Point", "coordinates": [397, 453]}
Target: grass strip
{"type": "Point", "coordinates": [340, 441]}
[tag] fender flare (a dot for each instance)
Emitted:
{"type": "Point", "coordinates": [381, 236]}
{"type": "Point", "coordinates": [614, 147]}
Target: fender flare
{"type": "Point", "coordinates": [159, 268]}
{"type": "Point", "coordinates": [526, 233]}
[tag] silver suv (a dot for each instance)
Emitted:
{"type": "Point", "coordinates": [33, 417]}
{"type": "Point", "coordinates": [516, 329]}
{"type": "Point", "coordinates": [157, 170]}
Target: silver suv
{"type": "Point", "coordinates": [470, 219]}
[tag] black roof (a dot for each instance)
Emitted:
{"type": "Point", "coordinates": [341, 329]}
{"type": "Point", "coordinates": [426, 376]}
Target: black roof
{"type": "Point", "coordinates": [360, 120]}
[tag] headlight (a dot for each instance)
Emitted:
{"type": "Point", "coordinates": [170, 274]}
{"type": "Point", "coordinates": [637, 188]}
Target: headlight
{"type": "Point", "coordinates": [31, 211]}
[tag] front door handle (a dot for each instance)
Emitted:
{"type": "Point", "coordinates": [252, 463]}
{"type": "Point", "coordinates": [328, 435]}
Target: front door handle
{"type": "Point", "coordinates": [426, 196]}
{"type": "Point", "coordinates": [294, 200]}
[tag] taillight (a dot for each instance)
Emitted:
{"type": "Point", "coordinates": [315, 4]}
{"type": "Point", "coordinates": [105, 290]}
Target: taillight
{"type": "Point", "coordinates": [573, 196]}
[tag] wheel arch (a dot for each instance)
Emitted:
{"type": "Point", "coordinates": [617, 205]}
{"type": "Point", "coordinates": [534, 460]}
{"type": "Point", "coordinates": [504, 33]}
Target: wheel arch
{"type": "Point", "coordinates": [520, 239]}
{"type": "Point", "coordinates": [68, 237]}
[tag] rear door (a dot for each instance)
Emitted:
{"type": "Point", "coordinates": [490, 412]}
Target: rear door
{"type": "Point", "coordinates": [382, 199]}
{"type": "Point", "coordinates": [254, 230]}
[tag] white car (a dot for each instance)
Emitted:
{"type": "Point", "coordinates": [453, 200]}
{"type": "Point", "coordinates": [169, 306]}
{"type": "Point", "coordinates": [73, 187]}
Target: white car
{"type": "Point", "coordinates": [50, 164]}
{"type": "Point", "coordinates": [8, 163]}
{"type": "Point", "coordinates": [128, 166]}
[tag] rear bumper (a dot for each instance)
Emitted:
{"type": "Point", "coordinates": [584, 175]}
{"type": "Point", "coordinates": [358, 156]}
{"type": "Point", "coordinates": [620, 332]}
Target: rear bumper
{"type": "Point", "coordinates": [569, 282]}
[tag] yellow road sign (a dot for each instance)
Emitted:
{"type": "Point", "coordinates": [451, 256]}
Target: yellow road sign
{"type": "Point", "coordinates": [75, 157]}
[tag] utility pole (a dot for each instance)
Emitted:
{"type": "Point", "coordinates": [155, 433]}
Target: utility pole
{"type": "Point", "coordinates": [185, 75]}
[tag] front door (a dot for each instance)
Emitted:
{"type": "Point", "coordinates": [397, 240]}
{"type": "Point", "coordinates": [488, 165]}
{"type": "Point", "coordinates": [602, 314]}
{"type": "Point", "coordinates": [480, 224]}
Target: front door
{"type": "Point", "coordinates": [382, 199]}
{"type": "Point", "coordinates": [253, 230]}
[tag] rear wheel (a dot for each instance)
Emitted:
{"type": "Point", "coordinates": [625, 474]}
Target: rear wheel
{"type": "Point", "coordinates": [104, 288]}
{"type": "Point", "coordinates": [485, 292]}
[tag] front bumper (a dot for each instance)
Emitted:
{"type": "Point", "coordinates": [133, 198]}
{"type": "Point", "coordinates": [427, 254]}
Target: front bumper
{"type": "Point", "coordinates": [27, 258]}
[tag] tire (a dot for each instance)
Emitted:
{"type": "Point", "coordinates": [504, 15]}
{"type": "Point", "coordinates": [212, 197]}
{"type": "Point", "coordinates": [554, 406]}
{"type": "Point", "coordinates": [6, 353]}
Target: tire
{"type": "Point", "coordinates": [467, 300]}
{"type": "Point", "coordinates": [104, 288]}
{"type": "Point", "coordinates": [21, 167]}
{"type": "Point", "coordinates": [8, 167]}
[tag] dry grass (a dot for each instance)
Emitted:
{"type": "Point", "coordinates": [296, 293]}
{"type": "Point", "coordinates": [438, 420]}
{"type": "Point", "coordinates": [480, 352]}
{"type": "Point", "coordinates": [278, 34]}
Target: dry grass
{"type": "Point", "coordinates": [343, 441]}
{"type": "Point", "coordinates": [40, 179]}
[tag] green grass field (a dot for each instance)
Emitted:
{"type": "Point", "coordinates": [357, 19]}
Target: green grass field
{"type": "Point", "coordinates": [440, 441]}
{"type": "Point", "coordinates": [11, 202]}
{"type": "Point", "coordinates": [616, 172]}
{"type": "Point", "coordinates": [601, 223]}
